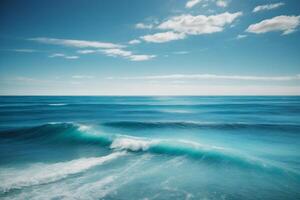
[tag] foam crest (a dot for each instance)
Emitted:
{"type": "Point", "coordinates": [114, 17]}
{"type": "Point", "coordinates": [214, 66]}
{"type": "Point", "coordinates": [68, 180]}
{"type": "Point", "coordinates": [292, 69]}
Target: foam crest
{"type": "Point", "coordinates": [57, 104]}
{"type": "Point", "coordinates": [46, 173]}
{"type": "Point", "coordinates": [132, 144]}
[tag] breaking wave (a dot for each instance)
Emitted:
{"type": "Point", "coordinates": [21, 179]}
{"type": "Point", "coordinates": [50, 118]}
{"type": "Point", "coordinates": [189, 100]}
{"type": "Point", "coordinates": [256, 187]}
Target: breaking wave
{"type": "Point", "coordinates": [71, 133]}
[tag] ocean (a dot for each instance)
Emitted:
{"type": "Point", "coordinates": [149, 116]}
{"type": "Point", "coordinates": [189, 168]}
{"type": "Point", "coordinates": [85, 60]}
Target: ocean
{"type": "Point", "coordinates": [154, 147]}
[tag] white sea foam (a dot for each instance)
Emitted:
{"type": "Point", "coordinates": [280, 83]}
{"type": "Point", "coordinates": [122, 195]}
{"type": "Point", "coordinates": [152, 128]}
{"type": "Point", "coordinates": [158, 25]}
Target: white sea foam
{"type": "Point", "coordinates": [57, 104]}
{"type": "Point", "coordinates": [37, 174]}
{"type": "Point", "coordinates": [131, 143]}
{"type": "Point", "coordinates": [110, 183]}
{"type": "Point", "coordinates": [82, 127]}
{"type": "Point", "coordinates": [58, 123]}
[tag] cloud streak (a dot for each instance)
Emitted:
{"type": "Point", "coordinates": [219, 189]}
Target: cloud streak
{"type": "Point", "coordinates": [134, 42]}
{"type": "Point", "coordinates": [143, 26]}
{"type": "Point", "coordinates": [163, 37]}
{"type": "Point", "coordinates": [109, 49]}
{"type": "Point", "coordinates": [282, 23]}
{"type": "Point", "coordinates": [86, 51]}
{"type": "Point", "coordinates": [82, 77]}
{"type": "Point", "coordinates": [240, 36]}
{"type": "Point", "coordinates": [127, 54]}
{"type": "Point", "coordinates": [63, 56]}
{"type": "Point", "coordinates": [210, 76]}
{"type": "Point", "coordinates": [268, 7]}
{"type": "Point", "coordinates": [222, 3]}
{"type": "Point", "coordinates": [25, 50]}
{"type": "Point", "coordinates": [76, 43]}
{"type": "Point", "coordinates": [192, 3]}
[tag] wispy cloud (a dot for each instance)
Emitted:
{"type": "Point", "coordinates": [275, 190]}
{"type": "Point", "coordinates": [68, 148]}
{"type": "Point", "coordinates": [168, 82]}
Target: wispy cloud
{"type": "Point", "coordinates": [163, 37]}
{"type": "Point", "coordinates": [86, 51]}
{"type": "Point", "coordinates": [63, 56]}
{"type": "Point", "coordinates": [25, 50]}
{"type": "Point", "coordinates": [268, 7]}
{"type": "Point", "coordinates": [82, 77]}
{"type": "Point", "coordinates": [192, 3]}
{"type": "Point", "coordinates": [143, 26]}
{"type": "Point", "coordinates": [134, 42]}
{"type": "Point", "coordinates": [117, 52]}
{"type": "Point", "coordinates": [71, 57]}
{"type": "Point", "coordinates": [109, 49]}
{"type": "Point", "coordinates": [180, 26]}
{"type": "Point", "coordinates": [181, 52]}
{"type": "Point", "coordinates": [57, 55]}
{"type": "Point", "coordinates": [141, 57]}
{"type": "Point", "coordinates": [126, 54]}
{"type": "Point", "coordinates": [76, 43]}
{"type": "Point", "coordinates": [219, 3]}
{"type": "Point", "coordinates": [283, 23]}
{"type": "Point", "coordinates": [211, 76]}
{"type": "Point", "coordinates": [222, 3]}
{"type": "Point", "coordinates": [241, 36]}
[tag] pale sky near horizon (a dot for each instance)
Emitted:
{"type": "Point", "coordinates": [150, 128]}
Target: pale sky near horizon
{"type": "Point", "coordinates": [150, 47]}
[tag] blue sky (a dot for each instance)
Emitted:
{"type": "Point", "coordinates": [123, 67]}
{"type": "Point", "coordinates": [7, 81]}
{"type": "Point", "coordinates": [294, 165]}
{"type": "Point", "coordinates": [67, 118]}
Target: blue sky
{"type": "Point", "coordinates": [150, 47]}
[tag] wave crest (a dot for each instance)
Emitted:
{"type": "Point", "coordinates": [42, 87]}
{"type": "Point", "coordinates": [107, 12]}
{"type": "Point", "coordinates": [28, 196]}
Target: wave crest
{"type": "Point", "coordinates": [70, 133]}
{"type": "Point", "coordinates": [131, 144]}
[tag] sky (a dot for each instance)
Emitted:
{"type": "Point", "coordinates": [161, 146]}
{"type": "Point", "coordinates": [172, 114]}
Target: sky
{"type": "Point", "coordinates": [150, 47]}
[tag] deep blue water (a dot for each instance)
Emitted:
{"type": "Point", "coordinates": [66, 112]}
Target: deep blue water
{"type": "Point", "coordinates": [150, 148]}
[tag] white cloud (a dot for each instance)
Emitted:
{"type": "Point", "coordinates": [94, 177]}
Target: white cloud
{"type": "Point", "coordinates": [268, 7]}
{"type": "Point", "coordinates": [181, 26]}
{"type": "Point", "coordinates": [141, 57]}
{"type": "Point", "coordinates": [86, 51]}
{"type": "Point", "coordinates": [108, 49]}
{"type": "Point", "coordinates": [57, 55]}
{"type": "Point", "coordinates": [82, 77]}
{"type": "Point", "coordinates": [286, 24]}
{"type": "Point", "coordinates": [163, 37]}
{"type": "Point", "coordinates": [199, 24]}
{"type": "Point", "coordinates": [63, 56]}
{"type": "Point", "coordinates": [211, 76]}
{"type": "Point", "coordinates": [241, 37]}
{"type": "Point", "coordinates": [143, 26]}
{"type": "Point", "coordinates": [71, 57]}
{"type": "Point", "coordinates": [192, 3]}
{"type": "Point", "coordinates": [181, 52]}
{"type": "Point", "coordinates": [25, 50]}
{"type": "Point", "coordinates": [76, 43]}
{"type": "Point", "coordinates": [222, 3]}
{"type": "Point", "coordinates": [126, 54]}
{"type": "Point", "coordinates": [117, 52]}
{"type": "Point", "coordinates": [134, 42]}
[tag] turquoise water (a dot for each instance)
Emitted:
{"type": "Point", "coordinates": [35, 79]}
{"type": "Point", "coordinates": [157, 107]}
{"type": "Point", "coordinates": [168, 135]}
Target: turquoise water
{"type": "Point", "coordinates": [150, 147]}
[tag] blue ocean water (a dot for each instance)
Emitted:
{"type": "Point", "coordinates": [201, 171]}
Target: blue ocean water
{"type": "Point", "coordinates": [150, 147]}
